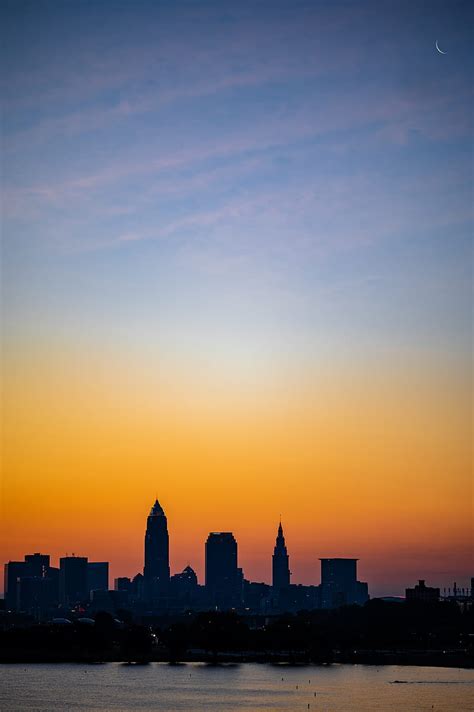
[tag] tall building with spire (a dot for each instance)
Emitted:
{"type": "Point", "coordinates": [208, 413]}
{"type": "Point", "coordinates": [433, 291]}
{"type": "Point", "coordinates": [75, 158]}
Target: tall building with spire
{"type": "Point", "coordinates": [156, 572]}
{"type": "Point", "coordinates": [280, 563]}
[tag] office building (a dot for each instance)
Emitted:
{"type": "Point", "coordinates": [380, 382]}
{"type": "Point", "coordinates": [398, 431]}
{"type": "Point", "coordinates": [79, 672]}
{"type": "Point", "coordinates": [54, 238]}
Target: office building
{"type": "Point", "coordinates": [339, 585]}
{"type": "Point", "coordinates": [422, 592]}
{"type": "Point", "coordinates": [224, 579]}
{"type": "Point", "coordinates": [280, 563]}
{"type": "Point", "coordinates": [34, 566]}
{"type": "Point", "coordinates": [156, 571]}
{"type": "Point", "coordinates": [73, 580]}
{"type": "Point", "coordinates": [97, 575]}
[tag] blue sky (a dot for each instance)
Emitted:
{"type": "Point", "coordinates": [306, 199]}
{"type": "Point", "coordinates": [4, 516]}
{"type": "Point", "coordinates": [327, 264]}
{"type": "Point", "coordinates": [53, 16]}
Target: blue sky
{"type": "Point", "coordinates": [303, 168]}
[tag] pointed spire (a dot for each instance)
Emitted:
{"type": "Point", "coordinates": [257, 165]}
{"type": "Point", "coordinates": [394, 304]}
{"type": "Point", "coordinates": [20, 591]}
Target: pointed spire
{"type": "Point", "coordinates": [280, 559]}
{"type": "Point", "coordinates": [280, 540]}
{"type": "Point", "coordinates": [157, 509]}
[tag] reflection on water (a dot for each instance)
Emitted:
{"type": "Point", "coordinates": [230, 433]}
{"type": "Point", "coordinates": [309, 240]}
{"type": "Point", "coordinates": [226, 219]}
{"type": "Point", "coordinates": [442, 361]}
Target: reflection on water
{"type": "Point", "coordinates": [234, 688]}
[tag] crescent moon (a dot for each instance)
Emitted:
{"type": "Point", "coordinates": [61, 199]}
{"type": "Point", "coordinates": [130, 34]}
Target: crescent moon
{"type": "Point", "coordinates": [439, 50]}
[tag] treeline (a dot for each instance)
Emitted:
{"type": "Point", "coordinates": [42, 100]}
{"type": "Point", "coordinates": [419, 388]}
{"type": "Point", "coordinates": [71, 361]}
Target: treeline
{"type": "Point", "coordinates": [363, 633]}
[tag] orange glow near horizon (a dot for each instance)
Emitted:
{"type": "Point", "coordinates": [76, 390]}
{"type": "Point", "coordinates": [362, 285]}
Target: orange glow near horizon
{"type": "Point", "coordinates": [237, 276]}
{"type": "Point", "coordinates": [368, 464]}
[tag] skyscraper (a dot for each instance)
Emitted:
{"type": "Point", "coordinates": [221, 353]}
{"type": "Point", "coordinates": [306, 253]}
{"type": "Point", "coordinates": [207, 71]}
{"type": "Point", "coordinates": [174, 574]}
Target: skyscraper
{"type": "Point", "coordinates": [156, 571]}
{"type": "Point", "coordinates": [37, 564]}
{"type": "Point", "coordinates": [31, 583]}
{"type": "Point", "coordinates": [14, 570]}
{"type": "Point", "coordinates": [339, 584]}
{"type": "Point", "coordinates": [98, 575]}
{"type": "Point", "coordinates": [280, 563]}
{"type": "Point", "coordinates": [224, 579]}
{"type": "Point", "coordinates": [73, 579]}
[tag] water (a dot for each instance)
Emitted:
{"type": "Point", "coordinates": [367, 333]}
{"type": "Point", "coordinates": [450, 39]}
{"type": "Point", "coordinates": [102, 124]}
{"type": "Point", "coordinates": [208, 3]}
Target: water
{"type": "Point", "coordinates": [197, 687]}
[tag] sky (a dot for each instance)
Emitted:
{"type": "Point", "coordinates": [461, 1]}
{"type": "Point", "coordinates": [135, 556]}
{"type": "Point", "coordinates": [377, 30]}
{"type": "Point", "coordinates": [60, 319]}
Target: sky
{"type": "Point", "coordinates": [237, 275]}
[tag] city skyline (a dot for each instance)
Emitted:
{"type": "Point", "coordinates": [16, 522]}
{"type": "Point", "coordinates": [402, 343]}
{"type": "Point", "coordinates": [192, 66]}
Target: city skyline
{"type": "Point", "coordinates": [237, 270]}
{"type": "Point", "coordinates": [157, 572]}
{"type": "Point", "coordinates": [34, 587]}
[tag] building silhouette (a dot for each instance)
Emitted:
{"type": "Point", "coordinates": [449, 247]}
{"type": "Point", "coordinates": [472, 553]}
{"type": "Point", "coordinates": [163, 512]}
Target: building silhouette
{"type": "Point", "coordinates": [14, 571]}
{"type": "Point", "coordinates": [97, 576]}
{"type": "Point", "coordinates": [185, 592]}
{"type": "Point", "coordinates": [422, 592]}
{"type": "Point", "coordinates": [185, 582]}
{"type": "Point", "coordinates": [224, 579]}
{"type": "Point", "coordinates": [280, 563]}
{"type": "Point", "coordinates": [257, 596]}
{"type": "Point", "coordinates": [34, 587]}
{"type": "Point", "coordinates": [123, 583]}
{"type": "Point", "coordinates": [73, 584]}
{"type": "Point", "coordinates": [37, 565]}
{"type": "Point", "coordinates": [30, 585]}
{"type": "Point", "coordinates": [156, 571]}
{"type": "Point", "coordinates": [339, 585]}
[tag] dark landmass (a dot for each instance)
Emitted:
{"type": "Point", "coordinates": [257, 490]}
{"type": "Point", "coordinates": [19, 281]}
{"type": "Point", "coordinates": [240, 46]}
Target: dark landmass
{"type": "Point", "coordinates": [438, 634]}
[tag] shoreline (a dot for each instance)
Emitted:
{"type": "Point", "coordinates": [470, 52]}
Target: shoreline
{"type": "Point", "coordinates": [363, 658]}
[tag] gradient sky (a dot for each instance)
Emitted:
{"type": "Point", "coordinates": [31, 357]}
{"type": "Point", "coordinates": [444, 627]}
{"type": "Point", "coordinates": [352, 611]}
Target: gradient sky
{"type": "Point", "coordinates": [237, 274]}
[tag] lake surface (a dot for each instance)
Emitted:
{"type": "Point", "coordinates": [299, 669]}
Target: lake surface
{"type": "Point", "coordinates": [196, 687]}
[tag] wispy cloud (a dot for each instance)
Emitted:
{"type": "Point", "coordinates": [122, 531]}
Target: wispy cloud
{"type": "Point", "coordinates": [308, 221]}
{"type": "Point", "coordinates": [390, 119]}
